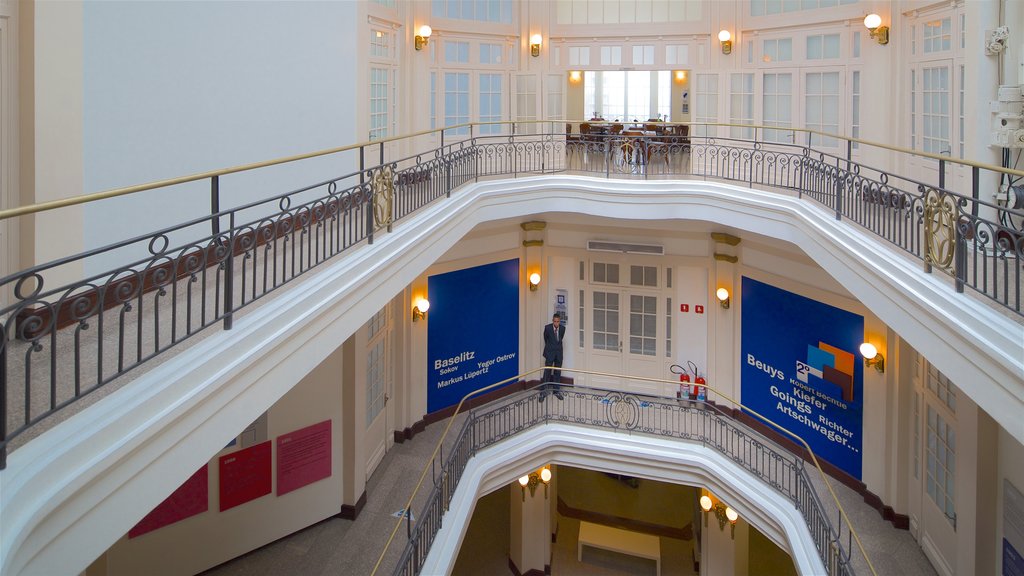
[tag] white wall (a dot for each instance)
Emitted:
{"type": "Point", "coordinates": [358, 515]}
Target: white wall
{"type": "Point", "coordinates": [214, 537]}
{"type": "Point", "coordinates": [176, 88]}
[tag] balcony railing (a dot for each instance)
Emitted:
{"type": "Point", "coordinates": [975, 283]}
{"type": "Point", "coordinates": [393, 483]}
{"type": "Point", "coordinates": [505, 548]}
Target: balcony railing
{"type": "Point", "coordinates": [62, 340]}
{"type": "Point", "coordinates": [697, 422]}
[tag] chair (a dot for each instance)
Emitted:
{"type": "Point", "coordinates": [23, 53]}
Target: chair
{"type": "Point", "coordinates": [573, 142]}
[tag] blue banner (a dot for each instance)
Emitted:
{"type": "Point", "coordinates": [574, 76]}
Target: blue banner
{"type": "Point", "coordinates": [800, 368]}
{"type": "Point", "coordinates": [472, 331]}
{"type": "Point", "coordinates": [1013, 563]}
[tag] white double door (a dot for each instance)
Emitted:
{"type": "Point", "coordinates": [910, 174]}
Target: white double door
{"type": "Point", "coordinates": [625, 333]}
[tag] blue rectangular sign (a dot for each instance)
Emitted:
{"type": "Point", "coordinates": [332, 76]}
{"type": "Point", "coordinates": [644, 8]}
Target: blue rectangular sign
{"type": "Point", "coordinates": [799, 368]}
{"type": "Point", "coordinates": [472, 331]}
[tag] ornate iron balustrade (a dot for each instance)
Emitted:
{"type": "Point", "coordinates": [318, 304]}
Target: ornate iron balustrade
{"type": "Point", "coordinates": [694, 422]}
{"type": "Point", "coordinates": [62, 340]}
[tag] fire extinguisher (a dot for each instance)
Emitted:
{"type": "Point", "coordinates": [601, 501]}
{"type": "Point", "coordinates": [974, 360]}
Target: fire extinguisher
{"type": "Point", "coordinates": [699, 383]}
{"type": "Point", "coordinates": [684, 382]}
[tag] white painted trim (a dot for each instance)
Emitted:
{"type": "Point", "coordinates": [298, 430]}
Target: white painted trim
{"type": "Point", "coordinates": [73, 491]}
{"type": "Point", "coordinates": [610, 451]}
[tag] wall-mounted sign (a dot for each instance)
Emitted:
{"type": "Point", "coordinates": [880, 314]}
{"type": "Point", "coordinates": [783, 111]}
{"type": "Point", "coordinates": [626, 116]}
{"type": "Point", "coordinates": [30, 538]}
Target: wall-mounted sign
{"type": "Point", "coordinates": [799, 369]}
{"type": "Point", "coordinates": [191, 498]}
{"type": "Point", "coordinates": [303, 457]}
{"type": "Point", "coordinates": [244, 475]}
{"type": "Point", "coordinates": [472, 331]}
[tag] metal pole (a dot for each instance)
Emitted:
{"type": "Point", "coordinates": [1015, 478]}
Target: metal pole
{"type": "Point", "coordinates": [215, 205]}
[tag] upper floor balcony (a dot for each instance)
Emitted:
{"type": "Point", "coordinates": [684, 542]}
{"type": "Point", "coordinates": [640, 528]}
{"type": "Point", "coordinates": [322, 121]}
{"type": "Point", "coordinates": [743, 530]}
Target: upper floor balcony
{"type": "Point", "coordinates": [933, 255]}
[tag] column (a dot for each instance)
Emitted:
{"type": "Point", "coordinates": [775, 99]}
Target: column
{"type": "Point", "coordinates": [718, 548]}
{"type": "Point", "coordinates": [530, 531]}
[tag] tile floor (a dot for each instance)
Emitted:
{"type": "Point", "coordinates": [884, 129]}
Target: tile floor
{"type": "Point", "coordinates": [339, 547]}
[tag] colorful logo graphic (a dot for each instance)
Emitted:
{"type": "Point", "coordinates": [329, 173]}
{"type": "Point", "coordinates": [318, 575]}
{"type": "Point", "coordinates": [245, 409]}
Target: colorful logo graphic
{"type": "Point", "coordinates": [828, 365]}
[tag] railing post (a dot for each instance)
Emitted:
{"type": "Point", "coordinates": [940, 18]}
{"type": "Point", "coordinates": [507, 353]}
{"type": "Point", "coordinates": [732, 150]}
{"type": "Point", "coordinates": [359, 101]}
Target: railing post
{"type": "Point", "coordinates": [229, 276]}
{"type": "Point", "coordinates": [960, 251]}
{"type": "Point", "coordinates": [447, 169]}
{"type": "Point", "coordinates": [975, 189]}
{"type": "Point", "coordinates": [839, 197]}
{"type": "Point", "coordinates": [942, 174]}
{"type": "Point", "coordinates": [368, 208]}
{"type": "Point", "coordinates": [215, 206]}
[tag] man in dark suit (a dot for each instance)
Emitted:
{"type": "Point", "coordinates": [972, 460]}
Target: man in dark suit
{"type": "Point", "coordinates": [553, 335]}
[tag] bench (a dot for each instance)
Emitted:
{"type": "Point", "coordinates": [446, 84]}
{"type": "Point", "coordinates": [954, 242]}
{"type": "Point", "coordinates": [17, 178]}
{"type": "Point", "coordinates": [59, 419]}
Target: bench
{"type": "Point", "coordinates": [618, 540]}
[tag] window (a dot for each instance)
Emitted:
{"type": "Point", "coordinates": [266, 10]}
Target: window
{"type": "Point", "coordinates": [767, 7]}
{"type": "Point", "coordinates": [643, 315]}
{"type": "Point", "coordinates": [821, 106]}
{"type": "Point", "coordinates": [605, 273]}
{"type": "Point", "coordinates": [705, 103]}
{"type": "Point", "coordinates": [961, 131]}
{"type": "Point", "coordinates": [937, 35]}
{"type": "Point", "coordinates": [779, 50]}
{"type": "Point", "coordinates": [479, 10]}
{"type": "Point", "coordinates": [935, 122]}
{"type": "Point", "coordinates": [579, 55]}
{"type": "Point", "coordinates": [638, 95]}
{"type": "Point", "coordinates": [643, 276]}
{"type": "Point", "coordinates": [374, 381]}
{"type": "Point", "coordinates": [490, 102]}
{"type": "Point", "coordinates": [433, 100]}
{"type": "Point", "coordinates": [380, 44]}
{"type": "Point", "coordinates": [677, 54]}
{"type": "Point", "coordinates": [856, 44]}
{"type": "Point", "coordinates": [456, 52]}
{"type": "Point", "coordinates": [611, 55]}
{"type": "Point", "coordinates": [385, 3]}
{"type": "Point", "coordinates": [941, 455]}
{"type": "Point", "coordinates": [643, 55]}
{"type": "Point", "coordinates": [777, 101]}
{"type": "Point", "coordinates": [942, 388]}
{"type": "Point", "coordinates": [376, 333]}
{"type": "Point", "coordinates": [913, 109]}
{"type": "Point", "coordinates": [379, 103]}
{"type": "Point", "coordinates": [823, 46]}
{"type": "Point", "coordinates": [526, 100]}
{"type": "Point", "coordinates": [377, 323]}
{"type": "Point", "coordinates": [606, 321]}
{"type": "Point", "coordinates": [581, 315]}
{"type": "Point", "coordinates": [617, 95]}
{"type": "Point", "coordinates": [741, 104]}
{"type": "Point", "coordinates": [555, 85]}
{"type": "Point", "coordinates": [456, 100]}
{"type": "Point", "coordinates": [668, 327]}
{"type": "Point", "coordinates": [855, 107]}
{"type": "Point", "coordinates": [491, 53]}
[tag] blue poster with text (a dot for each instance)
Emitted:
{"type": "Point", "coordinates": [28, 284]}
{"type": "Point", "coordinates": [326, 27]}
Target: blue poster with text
{"type": "Point", "coordinates": [472, 331]}
{"type": "Point", "coordinates": [799, 369]}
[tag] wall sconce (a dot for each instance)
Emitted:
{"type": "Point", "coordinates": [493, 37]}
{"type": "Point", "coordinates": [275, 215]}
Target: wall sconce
{"type": "Point", "coordinates": [419, 309]}
{"type": "Point", "coordinates": [873, 22]}
{"type": "Point", "coordinates": [723, 297]}
{"type": "Point", "coordinates": [723, 513]}
{"type": "Point", "coordinates": [534, 281]}
{"type": "Point", "coordinates": [574, 76]}
{"type": "Point", "coordinates": [423, 36]}
{"type": "Point", "coordinates": [680, 75]}
{"type": "Point", "coordinates": [535, 45]}
{"type": "Point", "coordinates": [872, 357]}
{"type": "Point", "coordinates": [542, 476]}
{"type": "Point", "coordinates": [726, 39]}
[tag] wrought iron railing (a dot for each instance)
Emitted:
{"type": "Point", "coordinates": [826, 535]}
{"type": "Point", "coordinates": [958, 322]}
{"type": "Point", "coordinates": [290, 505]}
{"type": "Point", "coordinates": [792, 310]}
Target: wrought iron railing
{"type": "Point", "coordinates": [61, 340]}
{"type": "Point", "coordinates": [696, 422]}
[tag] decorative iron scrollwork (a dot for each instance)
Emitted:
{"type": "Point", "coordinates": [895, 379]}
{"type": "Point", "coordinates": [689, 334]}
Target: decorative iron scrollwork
{"type": "Point", "coordinates": [939, 233]}
{"type": "Point", "coordinates": [383, 187]}
{"type": "Point", "coordinates": [622, 411]}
